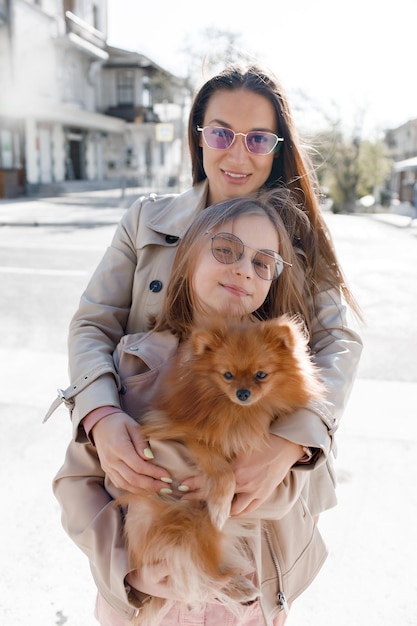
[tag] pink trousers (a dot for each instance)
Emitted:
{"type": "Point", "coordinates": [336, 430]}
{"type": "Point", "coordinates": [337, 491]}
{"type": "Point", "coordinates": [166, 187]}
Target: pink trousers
{"type": "Point", "coordinates": [179, 615]}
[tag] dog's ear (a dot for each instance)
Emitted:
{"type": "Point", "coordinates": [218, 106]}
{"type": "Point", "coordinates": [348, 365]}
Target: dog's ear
{"type": "Point", "coordinates": [209, 338]}
{"type": "Point", "coordinates": [202, 341]}
{"type": "Point", "coordinates": [282, 331]}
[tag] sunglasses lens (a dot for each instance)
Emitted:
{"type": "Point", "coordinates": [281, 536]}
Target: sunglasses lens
{"type": "Point", "coordinates": [268, 265]}
{"type": "Point", "coordinates": [261, 142]}
{"type": "Point", "coordinates": [218, 138]}
{"type": "Point", "coordinates": [226, 248]}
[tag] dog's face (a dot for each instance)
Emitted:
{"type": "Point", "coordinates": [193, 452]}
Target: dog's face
{"type": "Point", "coordinates": [246, 362]}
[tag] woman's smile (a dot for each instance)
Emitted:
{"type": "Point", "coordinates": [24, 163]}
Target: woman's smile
{"type": "Point", "coordinates": [236, 177]}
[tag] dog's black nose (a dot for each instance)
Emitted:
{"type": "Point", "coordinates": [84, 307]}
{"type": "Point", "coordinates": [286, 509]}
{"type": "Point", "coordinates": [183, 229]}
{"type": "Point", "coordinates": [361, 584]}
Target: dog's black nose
{"type": "Point", "coordinates": [243, 394]}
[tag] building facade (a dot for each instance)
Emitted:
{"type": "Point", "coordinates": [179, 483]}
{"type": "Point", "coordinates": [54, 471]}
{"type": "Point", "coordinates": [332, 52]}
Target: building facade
{"type": "Point", "coordinates": [402, 145]}
{"type": "Point", "coordinates": [74, 109]}
{"type": "Point", "coordinates": [151, 102]}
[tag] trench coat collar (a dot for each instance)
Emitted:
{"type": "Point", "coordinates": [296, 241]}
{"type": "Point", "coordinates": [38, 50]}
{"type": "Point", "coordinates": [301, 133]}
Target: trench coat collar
{"type": "Point", "coordinates": [173, 217]}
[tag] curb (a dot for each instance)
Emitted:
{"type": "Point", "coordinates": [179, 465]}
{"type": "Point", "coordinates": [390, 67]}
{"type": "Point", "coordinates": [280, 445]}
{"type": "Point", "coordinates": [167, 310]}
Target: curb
{"type": "Point", "coordinates": [81, 223]}
{"type": "Point", "coordinates": [56, 214]}
{"type": "Point", "coordinates": [400, 221]}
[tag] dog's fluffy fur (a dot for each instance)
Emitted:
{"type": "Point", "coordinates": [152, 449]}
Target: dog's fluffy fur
{"type": "Point", "coordinates": [225, 387]}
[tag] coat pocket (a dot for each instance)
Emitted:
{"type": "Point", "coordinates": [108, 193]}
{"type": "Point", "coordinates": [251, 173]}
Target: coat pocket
{"type": "Point", "coordinates": [137, 393]}
{"type": "Point", "coordinates": [293, 552]}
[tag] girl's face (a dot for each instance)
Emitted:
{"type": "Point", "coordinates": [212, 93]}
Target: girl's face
{"type": "Point", "coordinates": [236, 172]}
{"type": "Point", "coordinates": [234, 289]}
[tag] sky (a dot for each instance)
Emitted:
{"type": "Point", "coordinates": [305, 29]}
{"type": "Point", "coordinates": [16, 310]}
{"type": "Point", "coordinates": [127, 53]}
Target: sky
{"type": "Point", "coordinates": [354, 60]}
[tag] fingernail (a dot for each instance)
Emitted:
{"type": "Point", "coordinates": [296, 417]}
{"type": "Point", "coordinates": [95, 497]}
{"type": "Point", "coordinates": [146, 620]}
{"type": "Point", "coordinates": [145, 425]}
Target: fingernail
{"type": "Point", "coordinates": [148, 453]}
{"type": "Point", "coordinates": [166, 479]}
{"type": "Point", "coordinates": [165, 490]}
{"type": "Point", "coordinates": [183, 488]}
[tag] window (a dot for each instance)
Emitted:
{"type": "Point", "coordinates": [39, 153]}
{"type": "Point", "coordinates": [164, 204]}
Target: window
{"type": "Point", "coordinates": [10, 149]}
{"type": "Point", "coordinates": [69, 6]}
{"type": "Point", "coordinates": [4, 13]}
{"type": "Point", "coordinates": [146, 92]}
{"type": "Point", "coordinates": [6, 149]}
{"type": "Point", "coordinates": [125, 87]}
{"type": "Point", "coordinates": [96, 17]}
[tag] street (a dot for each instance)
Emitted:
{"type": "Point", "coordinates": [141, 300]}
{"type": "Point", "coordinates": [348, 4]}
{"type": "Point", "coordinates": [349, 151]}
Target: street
{"type": "Point", "coordinates": [370, 577]}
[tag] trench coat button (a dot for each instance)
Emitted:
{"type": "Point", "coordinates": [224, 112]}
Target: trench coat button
{"type": "Point", "coordinates": [171, 239]}
{"type": "Point", "coordinates": [123, 390]}
{"type": "Point", "coordinates": [155, 286]}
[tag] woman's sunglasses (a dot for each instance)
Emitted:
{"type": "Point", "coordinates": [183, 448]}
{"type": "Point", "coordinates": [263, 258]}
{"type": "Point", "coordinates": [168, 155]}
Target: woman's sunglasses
{"type": "Point", "coordinates": [256, 142]}
{"type": "Point", "coordinates": [227, 248]}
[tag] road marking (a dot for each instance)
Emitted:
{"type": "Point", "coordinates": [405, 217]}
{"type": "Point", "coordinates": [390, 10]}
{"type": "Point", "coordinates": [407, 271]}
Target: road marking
{"type": "Point", "coordinates": [41, 272]}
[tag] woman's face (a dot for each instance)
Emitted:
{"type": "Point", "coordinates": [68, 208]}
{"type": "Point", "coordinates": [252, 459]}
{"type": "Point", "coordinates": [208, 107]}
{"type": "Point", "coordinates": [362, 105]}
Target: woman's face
{"type": "Point", "coordinates": [234, 289]}
{"type": "Point", "coordinates": [236, 172]}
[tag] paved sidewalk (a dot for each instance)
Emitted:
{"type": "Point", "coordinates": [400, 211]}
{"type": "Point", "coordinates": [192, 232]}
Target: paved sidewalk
{"type": "Point", "coordinates": [86, 208]}
{"type": "Point", "coordinates": [106, 207]}
{"type": "Point", "coordinates": [401, 221]}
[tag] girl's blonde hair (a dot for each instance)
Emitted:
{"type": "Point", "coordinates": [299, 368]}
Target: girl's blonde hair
{"type": "Point", "coordinates": [288, 294]}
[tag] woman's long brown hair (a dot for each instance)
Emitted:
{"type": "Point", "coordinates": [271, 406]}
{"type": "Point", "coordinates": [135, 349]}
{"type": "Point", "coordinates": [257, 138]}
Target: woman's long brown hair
{"type": "Point", "coordinates": [292, 169]}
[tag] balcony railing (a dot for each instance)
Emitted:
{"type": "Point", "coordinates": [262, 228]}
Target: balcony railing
{"type": "Point", "coordinates": [131, 113]}
{"type": "Point", "coordinates": [84, 30]}
{"type": "Point", "coordinates": [85, 37]}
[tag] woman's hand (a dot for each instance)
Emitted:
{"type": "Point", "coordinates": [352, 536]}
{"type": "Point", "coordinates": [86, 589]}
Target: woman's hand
{"type": "Point", "coordinates": [152, 580]}
{"type": "Point", "coordinates": [258, 475]}
{"type": "Point", "coordinates": [125, 456]}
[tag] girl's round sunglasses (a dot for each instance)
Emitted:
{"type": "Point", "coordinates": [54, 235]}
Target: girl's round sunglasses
{"type": "Point", "coordinates": [227, 248]}
{"type": "Point", "coordinates": [256, 142]}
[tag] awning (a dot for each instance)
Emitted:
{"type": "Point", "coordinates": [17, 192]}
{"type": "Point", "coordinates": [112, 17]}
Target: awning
{"type": "Point", "coordinates": [407, 164]}
{"type": "Point", "coordinates": [49, 112]}
{"type": "Point", "coordinates": [69, 116]}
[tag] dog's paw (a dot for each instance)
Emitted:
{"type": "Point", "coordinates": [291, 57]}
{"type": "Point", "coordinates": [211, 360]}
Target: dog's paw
{"type": "Point", "coordinates": [219, 513]}
{"type": "Point", "coordinates": [241, 589]}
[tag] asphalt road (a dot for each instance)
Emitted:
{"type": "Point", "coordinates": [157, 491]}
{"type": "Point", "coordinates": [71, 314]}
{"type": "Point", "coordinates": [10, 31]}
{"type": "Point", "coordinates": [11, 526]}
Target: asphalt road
{"type": "Point", "coordinates": [370, 578]}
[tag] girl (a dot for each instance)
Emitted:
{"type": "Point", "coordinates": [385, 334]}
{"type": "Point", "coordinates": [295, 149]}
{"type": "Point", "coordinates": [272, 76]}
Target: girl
{"type": "Point", "coordinates": [242, 141]}
{"type": "Point", "coordinates": [261, 275]}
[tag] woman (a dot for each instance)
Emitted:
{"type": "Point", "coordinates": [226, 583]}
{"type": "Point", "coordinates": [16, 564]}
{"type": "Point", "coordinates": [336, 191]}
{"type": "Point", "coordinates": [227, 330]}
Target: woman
{"type": "Point", "coordinates": [242, 141]}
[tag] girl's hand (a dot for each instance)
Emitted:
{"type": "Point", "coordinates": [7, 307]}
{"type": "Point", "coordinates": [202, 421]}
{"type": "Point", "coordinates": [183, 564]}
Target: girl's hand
{"type": "Point", "coordinates": [152, 580]}
{"type": "Point", "coordinates": [125, 456]}
{"type": "Point", "coordinates": [258, 475]}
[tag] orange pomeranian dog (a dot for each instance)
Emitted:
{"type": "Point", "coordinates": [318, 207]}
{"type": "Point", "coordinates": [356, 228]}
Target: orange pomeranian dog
{"type": "Point", "coordinates": [227, 383]}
